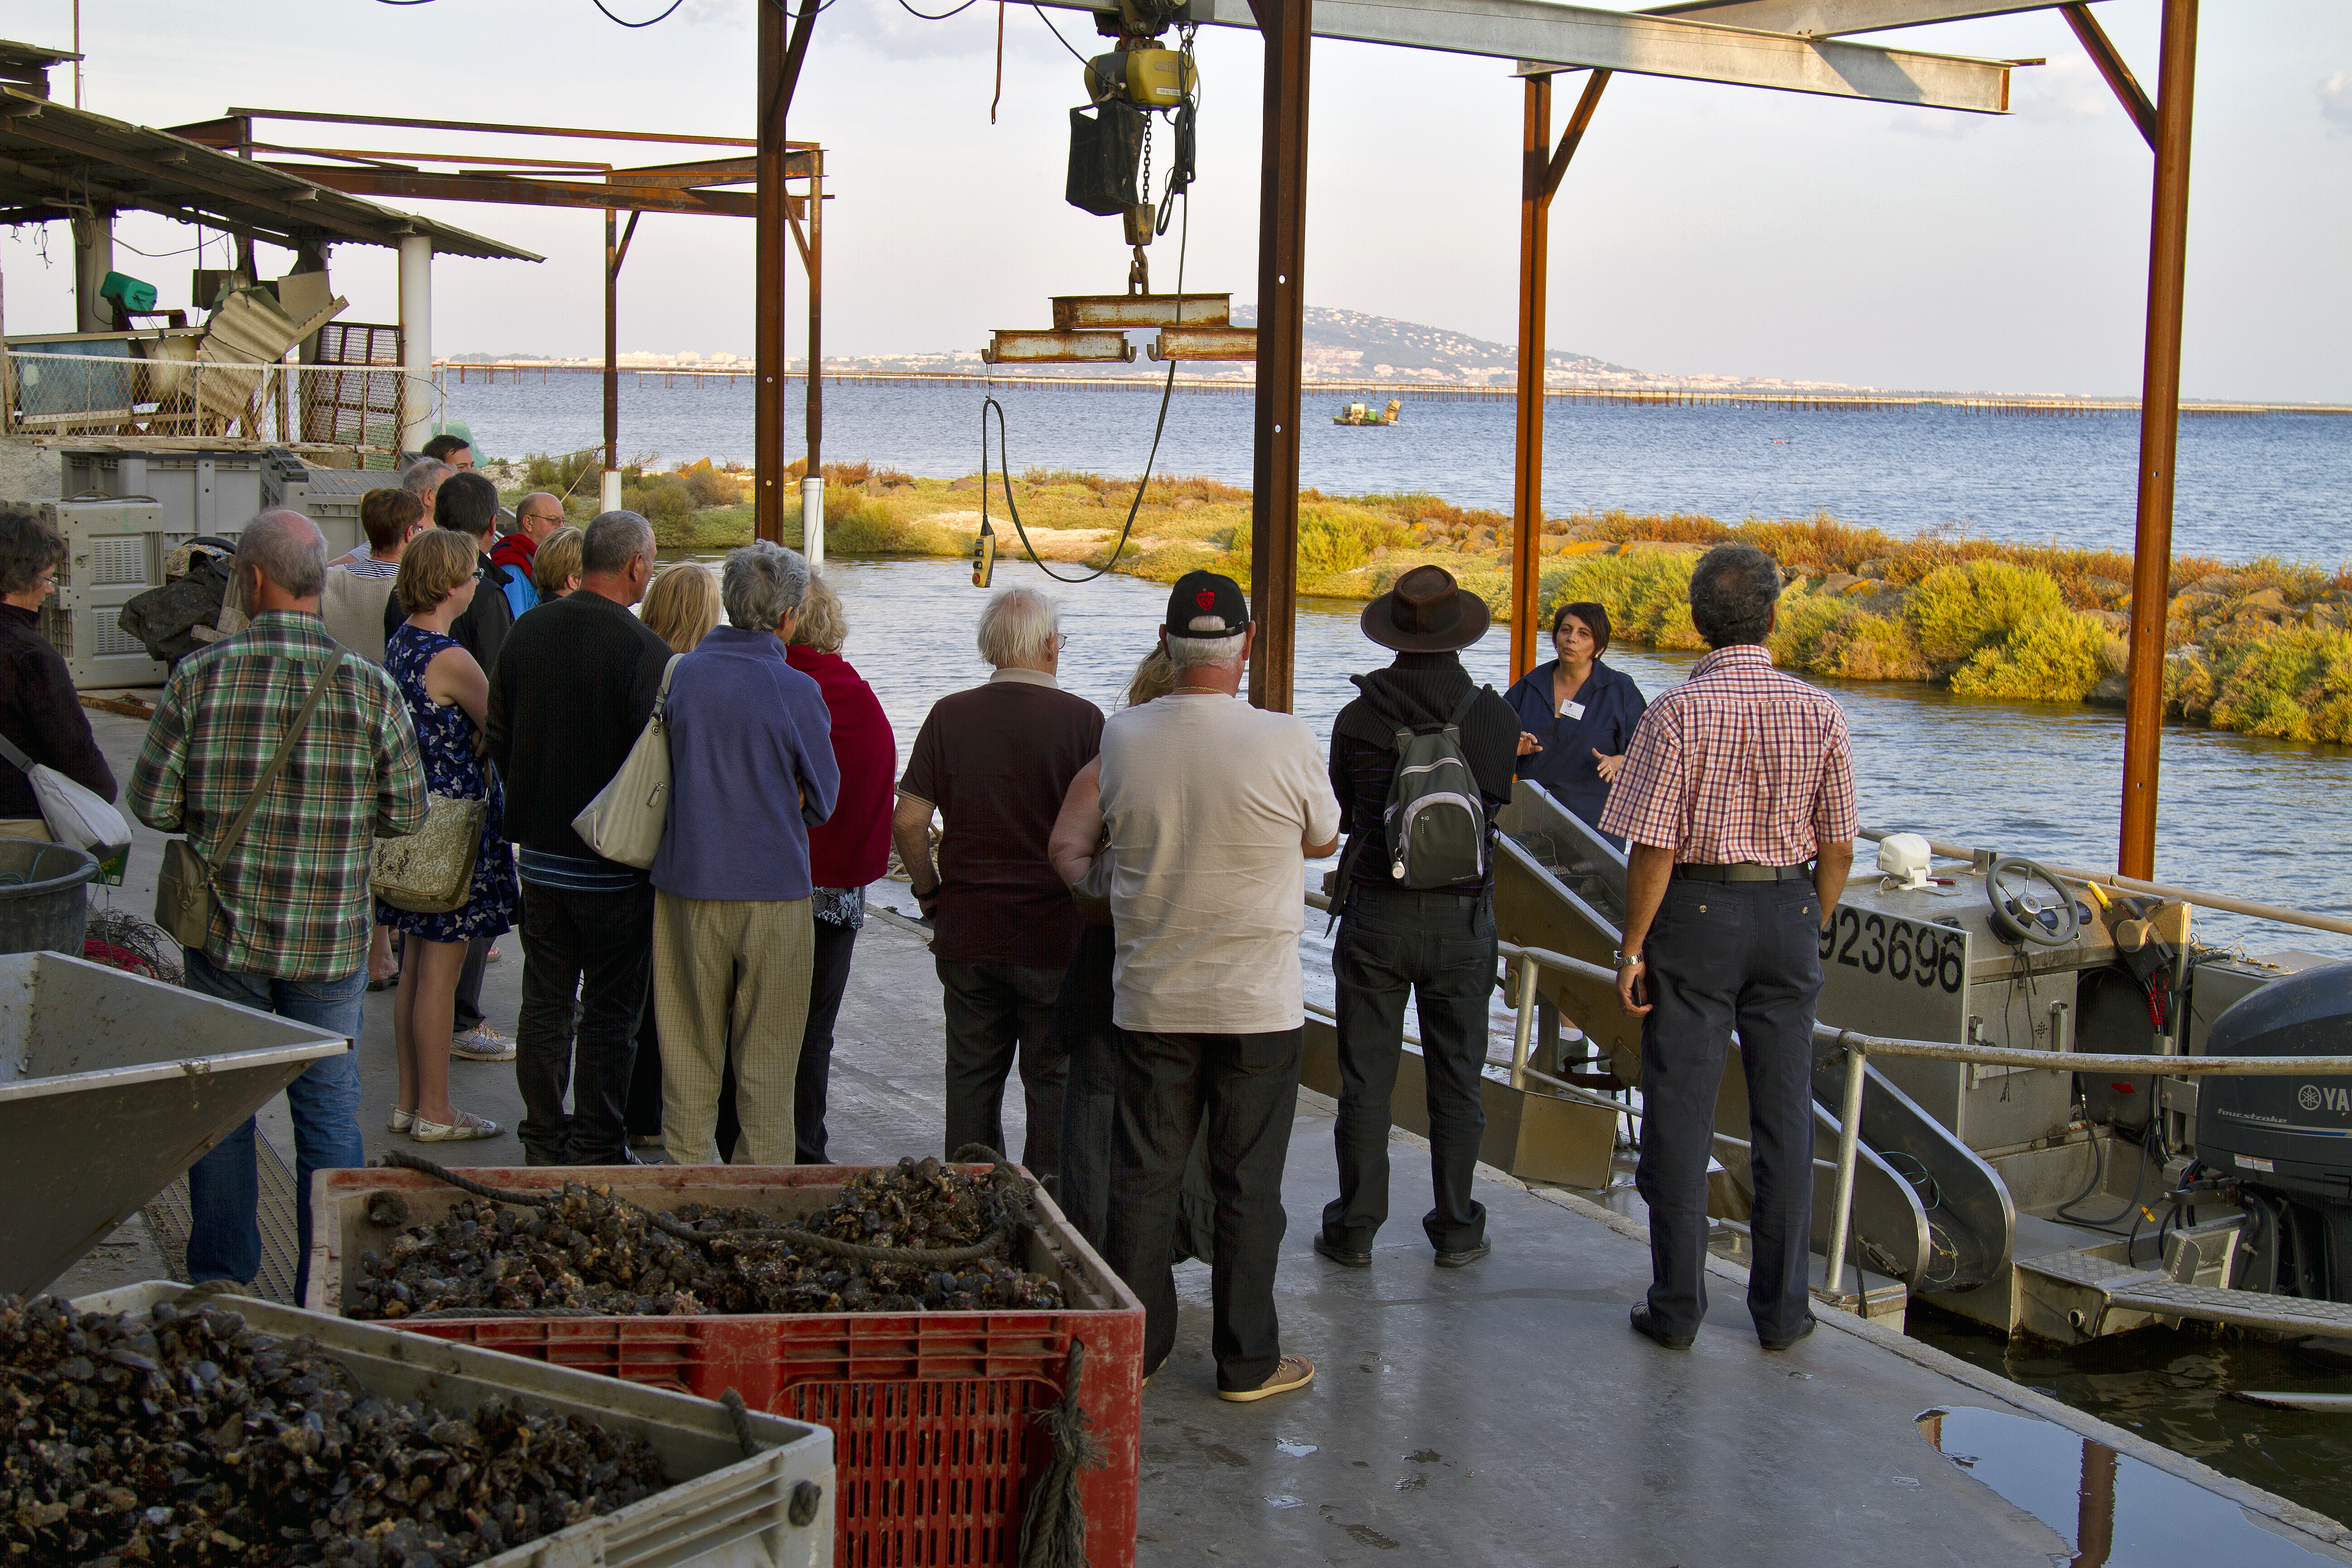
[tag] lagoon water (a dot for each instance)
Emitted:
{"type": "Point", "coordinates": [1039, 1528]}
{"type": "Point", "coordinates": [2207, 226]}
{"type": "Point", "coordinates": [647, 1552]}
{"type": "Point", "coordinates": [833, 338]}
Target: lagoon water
{"type": "Point", "coordinates": [2252, 817]}
{"type": "Point", "coordinates": [2258, 819]}
{"type": "Point", "coordinates": [2271, 484]}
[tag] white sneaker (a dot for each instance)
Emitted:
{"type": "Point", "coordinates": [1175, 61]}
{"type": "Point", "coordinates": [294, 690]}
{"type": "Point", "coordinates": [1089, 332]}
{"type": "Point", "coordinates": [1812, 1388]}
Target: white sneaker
{"type": "Point", "coordinates": [481, 1044]}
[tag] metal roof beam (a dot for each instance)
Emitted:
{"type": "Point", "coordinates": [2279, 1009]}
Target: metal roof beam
{"type": "Point", "coordinates": [516, 190]}
{"type": "Point", "coordinates": [1645, 46]}
{"type": "Point", "coordinates": [1832, 18]}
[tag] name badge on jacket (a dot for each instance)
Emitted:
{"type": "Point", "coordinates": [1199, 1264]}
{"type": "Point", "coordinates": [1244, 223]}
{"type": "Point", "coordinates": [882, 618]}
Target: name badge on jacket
{"type": "Point", "coordinates": [1572, 710]}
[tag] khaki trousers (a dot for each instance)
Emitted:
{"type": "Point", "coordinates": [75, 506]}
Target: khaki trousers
{"type": "Point", "coordinates": [32, 828]}
{"type": "Point", "coordinates": [731, 975]}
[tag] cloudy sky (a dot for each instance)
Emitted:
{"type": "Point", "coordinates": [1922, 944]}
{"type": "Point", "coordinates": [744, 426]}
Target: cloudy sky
{"type": "Point", "coordinates": [1702, 230]}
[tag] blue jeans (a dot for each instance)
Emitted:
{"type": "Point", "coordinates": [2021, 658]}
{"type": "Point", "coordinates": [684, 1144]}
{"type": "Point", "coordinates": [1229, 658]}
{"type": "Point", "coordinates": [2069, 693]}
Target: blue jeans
{"type": "Point", "coordinates": [224, 1189]}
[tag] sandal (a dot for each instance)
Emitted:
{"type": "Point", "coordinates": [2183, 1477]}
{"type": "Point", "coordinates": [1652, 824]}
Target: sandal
{"type": "Point", "coordinates": [401, 1121]}
{"type": "Point", "coordinates": [466, 1126]}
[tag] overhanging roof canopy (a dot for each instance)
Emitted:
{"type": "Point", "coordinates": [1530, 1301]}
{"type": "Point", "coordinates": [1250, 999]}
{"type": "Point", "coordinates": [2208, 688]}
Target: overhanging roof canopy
{"type": "Point", "coordinates": [57, 161]}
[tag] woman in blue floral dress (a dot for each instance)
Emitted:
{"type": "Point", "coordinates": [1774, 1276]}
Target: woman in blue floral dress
{"type": "Point", "coordinates": [448, 695]}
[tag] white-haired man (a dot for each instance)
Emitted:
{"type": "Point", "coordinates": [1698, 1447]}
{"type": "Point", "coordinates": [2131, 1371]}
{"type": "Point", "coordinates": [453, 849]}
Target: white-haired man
{"type": "Point", "coordinates": [995, 762]}
{"type": "Point", "coordinates": [1215, 808]}
{"type": "Point", "coordinates": [292, 911]}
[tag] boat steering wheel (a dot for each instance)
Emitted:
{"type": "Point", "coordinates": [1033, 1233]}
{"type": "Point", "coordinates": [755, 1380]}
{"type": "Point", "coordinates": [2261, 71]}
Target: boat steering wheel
{"type": "Point", "coordinates": [2020, 913]}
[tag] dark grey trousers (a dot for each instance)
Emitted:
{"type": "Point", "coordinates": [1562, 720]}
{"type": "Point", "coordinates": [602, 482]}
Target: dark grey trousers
{"type": "Point", "coordinates": [1245, 1090]}
{"type": "Point", "coordinates": [997, 1013]}
{"type": "Point", "coordinates": [1726, 955]}
{"type": "Point", "coordinates": [1440, 948]}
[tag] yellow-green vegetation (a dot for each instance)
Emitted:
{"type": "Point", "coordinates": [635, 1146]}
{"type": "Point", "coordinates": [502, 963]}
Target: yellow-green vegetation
{"type": "Point", "coordinates": [2263, 647]}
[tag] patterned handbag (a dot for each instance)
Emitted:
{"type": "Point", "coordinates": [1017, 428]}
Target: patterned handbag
{"type": "Point", "coordinates": [431, 871]}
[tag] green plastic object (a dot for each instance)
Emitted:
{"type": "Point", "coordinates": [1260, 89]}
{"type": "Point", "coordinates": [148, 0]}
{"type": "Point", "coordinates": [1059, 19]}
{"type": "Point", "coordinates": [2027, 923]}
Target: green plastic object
{"type": "Point", "coordinates": [134, 297]}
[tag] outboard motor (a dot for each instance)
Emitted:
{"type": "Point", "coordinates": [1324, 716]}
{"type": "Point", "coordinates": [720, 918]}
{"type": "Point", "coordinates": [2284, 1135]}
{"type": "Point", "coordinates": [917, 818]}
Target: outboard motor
{"type": "Point", "coordinates": [2287, 1142]}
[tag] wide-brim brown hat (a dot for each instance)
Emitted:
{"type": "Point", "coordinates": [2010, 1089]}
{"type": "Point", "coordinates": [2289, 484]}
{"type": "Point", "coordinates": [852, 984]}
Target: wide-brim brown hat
{"type": "Point", "coordinates": [1426, 612]}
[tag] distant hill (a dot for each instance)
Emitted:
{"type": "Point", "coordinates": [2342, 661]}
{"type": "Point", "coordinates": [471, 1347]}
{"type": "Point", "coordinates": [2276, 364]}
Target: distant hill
{"type": "Point", "coordinates": [1341, 346]}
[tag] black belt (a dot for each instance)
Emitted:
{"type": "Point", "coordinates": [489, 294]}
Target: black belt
{"type": "Point", "coordinates": [1745, 871]}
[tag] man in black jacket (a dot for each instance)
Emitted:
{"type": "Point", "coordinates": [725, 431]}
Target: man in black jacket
{"type": "Point", "coordinates": [467, 503]}
{"type": "Point", "coordinates": [570, 695]}
{"type": "Point", "coordinates": [1438, 944]}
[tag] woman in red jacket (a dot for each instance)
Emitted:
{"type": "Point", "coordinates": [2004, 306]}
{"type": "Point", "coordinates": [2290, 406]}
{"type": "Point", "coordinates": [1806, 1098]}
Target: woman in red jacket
{"type": "Point", "coordinates": [852, 848]}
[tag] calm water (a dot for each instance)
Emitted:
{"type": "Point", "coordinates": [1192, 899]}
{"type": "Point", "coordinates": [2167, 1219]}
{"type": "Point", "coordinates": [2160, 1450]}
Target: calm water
{"type": "Point", "coordinates": [2256, 818]}
{"type": "Point", "coordinates": [2278, 484]}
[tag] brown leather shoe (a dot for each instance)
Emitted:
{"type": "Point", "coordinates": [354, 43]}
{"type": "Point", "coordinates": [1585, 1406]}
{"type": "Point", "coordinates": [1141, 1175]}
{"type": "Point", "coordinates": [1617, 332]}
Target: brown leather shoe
{"type": "Point", "coordinates": [1291, 1372]}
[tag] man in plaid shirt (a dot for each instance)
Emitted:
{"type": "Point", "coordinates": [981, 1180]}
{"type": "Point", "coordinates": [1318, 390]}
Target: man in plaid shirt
{"type": "Point", "coordinates": [1736, 800]}
{"type": "Point", "coordinates": [290, 929]}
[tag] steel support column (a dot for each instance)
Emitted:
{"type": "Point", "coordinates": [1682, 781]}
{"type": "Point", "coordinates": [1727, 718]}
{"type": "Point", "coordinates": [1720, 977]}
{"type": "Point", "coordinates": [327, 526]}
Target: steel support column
{"type": "Point", "coordinates": [813, 264]}
{"type": "Point", "coordinates": [2159, 439]}
{"type": "Point", "coordinates": [610, 494]}
{"type": "Point", "coordinates": [781, 51]}
{"type": "Point", "coordinates": [1526, 457]}
{"type": "Point", "coordinates": [1540, 171]}
{"type": "Point", "coordinates": [1287, 28]}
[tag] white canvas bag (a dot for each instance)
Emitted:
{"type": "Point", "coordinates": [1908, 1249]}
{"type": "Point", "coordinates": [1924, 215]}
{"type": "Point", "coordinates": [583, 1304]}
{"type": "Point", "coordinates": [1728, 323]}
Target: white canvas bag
{"type": "Point", "coordinates": [624, 821]}
{"type": "Point", "coordinates": [76, 816]}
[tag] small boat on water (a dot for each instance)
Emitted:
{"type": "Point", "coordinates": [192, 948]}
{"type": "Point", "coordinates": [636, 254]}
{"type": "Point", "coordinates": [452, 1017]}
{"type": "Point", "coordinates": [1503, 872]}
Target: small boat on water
{"type": "Point", "coordinates": [1364, 414]}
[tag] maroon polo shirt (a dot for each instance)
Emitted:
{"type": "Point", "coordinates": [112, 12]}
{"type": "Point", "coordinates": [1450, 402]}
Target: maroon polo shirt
{"type": "Point", "coordinates": [996, 761]}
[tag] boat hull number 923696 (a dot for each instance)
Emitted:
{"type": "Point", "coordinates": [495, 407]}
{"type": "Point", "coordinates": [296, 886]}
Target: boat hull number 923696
{"type": "Point", "coordinates": [1932, 957]}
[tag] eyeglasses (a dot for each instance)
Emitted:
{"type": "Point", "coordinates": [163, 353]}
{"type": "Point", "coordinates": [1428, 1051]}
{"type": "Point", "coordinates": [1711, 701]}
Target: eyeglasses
{"type": "Point", "coordinates": [1061, 641]}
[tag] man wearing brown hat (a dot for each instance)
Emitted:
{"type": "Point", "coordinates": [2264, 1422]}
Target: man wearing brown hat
{"type": "Point", "coordinates": [1213, 809]}
{"type": "Point", "coordinates": [1415, 903]}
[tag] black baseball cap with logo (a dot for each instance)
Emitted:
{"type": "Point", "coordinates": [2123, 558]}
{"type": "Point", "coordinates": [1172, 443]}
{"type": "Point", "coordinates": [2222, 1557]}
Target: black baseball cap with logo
{"type": "Point", "coordinates": [1207, 604]}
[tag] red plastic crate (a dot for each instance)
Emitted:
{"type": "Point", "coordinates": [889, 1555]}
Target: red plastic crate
{"type": "Point", "coordinates": [935, 1440]}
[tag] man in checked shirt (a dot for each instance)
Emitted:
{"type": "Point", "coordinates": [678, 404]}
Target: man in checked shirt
{"type": "Point", "coordinates": [1736, 801]}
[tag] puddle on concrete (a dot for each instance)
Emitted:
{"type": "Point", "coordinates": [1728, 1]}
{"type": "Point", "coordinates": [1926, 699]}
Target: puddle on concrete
{"type": "Point", "coordinates": [2115, 1511]}
{"type": "Point", "coordinates": [1293, 1447]}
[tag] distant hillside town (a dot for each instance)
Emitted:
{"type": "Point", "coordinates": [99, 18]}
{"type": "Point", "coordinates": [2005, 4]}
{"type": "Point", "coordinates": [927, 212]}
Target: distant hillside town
{"type": "Point", "coordinates": [1341, 346]}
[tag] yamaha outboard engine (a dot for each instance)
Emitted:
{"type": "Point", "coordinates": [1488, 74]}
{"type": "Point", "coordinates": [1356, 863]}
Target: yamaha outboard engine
{"type": "Point", "coordinates": [2287, 1142]}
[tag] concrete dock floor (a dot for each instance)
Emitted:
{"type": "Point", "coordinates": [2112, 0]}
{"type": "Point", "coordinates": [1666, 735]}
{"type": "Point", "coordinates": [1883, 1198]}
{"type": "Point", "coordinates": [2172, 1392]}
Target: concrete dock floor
{"type": "Point", "coordinates": [1498, 1414]}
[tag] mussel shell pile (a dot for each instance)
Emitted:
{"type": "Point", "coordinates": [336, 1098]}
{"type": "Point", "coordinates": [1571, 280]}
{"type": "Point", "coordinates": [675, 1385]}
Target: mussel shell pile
{"type": "Point", "coordinates": [189, 1438]}
{"type": "Point", "coordinates": [585, 1251]}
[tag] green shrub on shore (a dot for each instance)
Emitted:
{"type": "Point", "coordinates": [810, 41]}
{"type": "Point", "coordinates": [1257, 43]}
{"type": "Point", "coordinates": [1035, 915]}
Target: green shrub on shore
{"type": "Point", "coordinates": [2295, 685]}
{"type": "Point", "coordinates": [1648, 595]}
{"type": "Point", "coordinates": [1335, 537]}
{"type": "Point", "coordinates": [2053, 657]}
{"type": "Point", "coordinates": [1956, 611]}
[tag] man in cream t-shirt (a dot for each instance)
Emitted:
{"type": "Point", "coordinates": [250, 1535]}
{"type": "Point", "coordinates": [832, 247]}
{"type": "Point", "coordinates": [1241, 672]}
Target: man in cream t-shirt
{"type": "Point", "coordinates": [1214, 808]}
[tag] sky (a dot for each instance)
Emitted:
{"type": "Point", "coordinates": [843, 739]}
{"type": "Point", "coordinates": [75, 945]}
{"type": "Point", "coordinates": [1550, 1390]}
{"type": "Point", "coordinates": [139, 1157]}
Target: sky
{"type": "Point", "coordinates": [1703, 228]}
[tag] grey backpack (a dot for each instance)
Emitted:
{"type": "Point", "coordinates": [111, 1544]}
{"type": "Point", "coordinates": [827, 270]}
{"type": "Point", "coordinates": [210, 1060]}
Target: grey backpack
{"type": "Point", "coordinates": [1437, 822]}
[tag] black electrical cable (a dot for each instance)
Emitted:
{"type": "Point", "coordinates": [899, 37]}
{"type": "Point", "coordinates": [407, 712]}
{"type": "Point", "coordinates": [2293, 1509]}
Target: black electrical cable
{"type": "Point", "coordinates": [942, 16]}
{"type": "Point", "coordinates": [600, 5]}
{"type": "Point", "coordinates": [1055, 31]}
{"type": "Point", "coordinates": [2064, 1211]}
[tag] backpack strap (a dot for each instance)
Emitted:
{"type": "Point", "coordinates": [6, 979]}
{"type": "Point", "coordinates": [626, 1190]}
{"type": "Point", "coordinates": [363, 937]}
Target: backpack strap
{"type": "Point", "coordinates": [1461, 708]}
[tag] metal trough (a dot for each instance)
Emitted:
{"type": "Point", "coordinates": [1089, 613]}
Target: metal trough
{"type": "Point", "coordinates": [110, 1085]}
{"type": "Point", "coordinates": [1017, 345]}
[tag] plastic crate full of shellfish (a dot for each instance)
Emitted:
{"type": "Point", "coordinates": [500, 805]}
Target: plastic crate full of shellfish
{"type": "Point", "coordinates": [719, 1509]}
{"type": "Point", "coordinates": [935, 1412]}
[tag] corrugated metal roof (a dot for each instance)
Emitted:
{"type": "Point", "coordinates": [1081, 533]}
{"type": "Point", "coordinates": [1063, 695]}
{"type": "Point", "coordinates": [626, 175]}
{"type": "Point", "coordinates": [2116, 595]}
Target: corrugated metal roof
{"type": "Point", "coordinates": [56, 161]}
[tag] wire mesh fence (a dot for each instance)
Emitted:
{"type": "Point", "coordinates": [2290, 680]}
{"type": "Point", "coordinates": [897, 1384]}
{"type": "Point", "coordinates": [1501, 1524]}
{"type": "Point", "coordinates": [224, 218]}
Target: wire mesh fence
{"type": "Point", "coordinates": [110, 387]}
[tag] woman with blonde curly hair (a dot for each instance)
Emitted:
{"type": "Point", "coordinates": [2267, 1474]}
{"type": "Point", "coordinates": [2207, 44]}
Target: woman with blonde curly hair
{"type": "Point", "coordinates": [682, 604]}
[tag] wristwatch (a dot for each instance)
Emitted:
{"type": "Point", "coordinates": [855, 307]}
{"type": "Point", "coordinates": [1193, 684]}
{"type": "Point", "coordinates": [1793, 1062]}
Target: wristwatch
{"type": "Point", "coordinates": [1625, 960]}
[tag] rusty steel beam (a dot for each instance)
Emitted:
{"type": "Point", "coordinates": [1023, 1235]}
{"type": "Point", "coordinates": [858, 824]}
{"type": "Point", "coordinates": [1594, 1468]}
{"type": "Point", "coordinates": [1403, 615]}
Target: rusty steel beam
{"type": "Point", "coordinates": [781, 51]}
{"type": "Point", "coordinates": [189, 176]}
{"type": "Point", "coordinates": [1017, 345]}
{"type": "Point", "coordinates": [1541, 168]}
{"type": "Point", "coordinates": [615, 252]}
{"type": "Point", "coordinates": [1239, 343]}
{"type": "Point", "coordinates": [515, 190]}
{"type": "Point", "coordinates": [1835, 18]}
{"type": "Point", "coordinates": [1288, 26]}
{"type": "Point", "coordinates": [323, 118]}
{"type": "Point", "coordinates": [2159, 439]}
{"type": "Point", "coordinates": [2110, 62]}
{"type": "Point", "coordinates": [1072, 312]}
